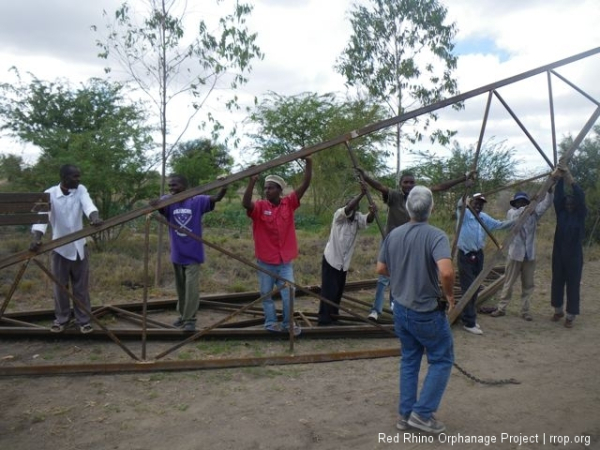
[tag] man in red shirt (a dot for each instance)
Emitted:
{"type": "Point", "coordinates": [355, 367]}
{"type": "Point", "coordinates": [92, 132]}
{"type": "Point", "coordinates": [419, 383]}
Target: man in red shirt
{"type": "Point", "coordinates": [275, 244]}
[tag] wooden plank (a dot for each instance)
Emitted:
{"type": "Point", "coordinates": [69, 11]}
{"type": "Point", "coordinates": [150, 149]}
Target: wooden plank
{"type": "Point", "coordinates": [26, 197]}
{"type": "Point", "coordinates": [23, 219]}
{"type": "Point", "coordinates": [23, 207]}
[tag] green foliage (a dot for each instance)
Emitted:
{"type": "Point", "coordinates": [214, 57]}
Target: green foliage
{"type": "Point", "coordinates": [93, 127]}
{"type": "Point", "coordinates": [495, 168]}
{"type": "Point", "coordinates": [200, 161]}
{"type": "Point", "coordinates": [287, 124]}
{"type": "Point", "coordinates": [400, 52]}
{"type": "Point", "coordinates": [585, 168]}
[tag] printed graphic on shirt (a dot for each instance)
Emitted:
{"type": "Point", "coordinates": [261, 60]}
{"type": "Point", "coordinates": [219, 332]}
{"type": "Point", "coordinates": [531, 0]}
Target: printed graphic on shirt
{"type": "Point", "coordinates": [267, 212]}
{"type": "Point", "coordinates": [182, 216]}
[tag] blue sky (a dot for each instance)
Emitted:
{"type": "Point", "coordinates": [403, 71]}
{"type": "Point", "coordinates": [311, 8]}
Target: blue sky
{"type": "Point", "coordinates": [483, 46]}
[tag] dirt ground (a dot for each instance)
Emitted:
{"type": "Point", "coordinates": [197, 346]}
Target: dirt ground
{"type": "Point", "coordinates": [339, 405]}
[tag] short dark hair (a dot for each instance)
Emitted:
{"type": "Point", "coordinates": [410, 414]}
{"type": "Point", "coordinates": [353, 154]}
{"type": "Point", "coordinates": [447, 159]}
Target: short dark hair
{"type": "Point", "coordinates": [406, 174]}
{"type": "Point", "coordinates": [66, 169]}
{"type": "Point", "coordinates": [183, 180]}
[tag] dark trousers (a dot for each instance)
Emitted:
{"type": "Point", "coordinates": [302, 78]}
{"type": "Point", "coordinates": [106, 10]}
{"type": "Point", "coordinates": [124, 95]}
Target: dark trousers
{"type": "Point", "coordinates": [75, 274]}
{"type": "Point", "coordinates": [333, 282]}
{"type": "Point", "coordinates": [469, 266]}
{"type": "Point", "coordinates": [567, 267]}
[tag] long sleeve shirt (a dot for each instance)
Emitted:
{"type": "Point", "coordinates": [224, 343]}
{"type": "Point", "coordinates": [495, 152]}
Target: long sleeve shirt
{"type": "Point", "coordinates": [472, 235]}
{"type": "Point", "coordinates": [570, 226]}
{"type": "Point", "coordinates": [66, 217]}
{"type": "Point", "coordinates": [523, 245]}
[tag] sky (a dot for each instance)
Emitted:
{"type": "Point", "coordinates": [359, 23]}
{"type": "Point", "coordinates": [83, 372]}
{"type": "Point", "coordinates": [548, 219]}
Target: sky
{"type": "Point", "coordinates": [302, 39]}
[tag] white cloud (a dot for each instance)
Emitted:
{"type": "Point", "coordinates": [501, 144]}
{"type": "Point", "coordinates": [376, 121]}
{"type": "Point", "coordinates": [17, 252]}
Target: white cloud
{"type": "Point", "coordinates": [302, 39]}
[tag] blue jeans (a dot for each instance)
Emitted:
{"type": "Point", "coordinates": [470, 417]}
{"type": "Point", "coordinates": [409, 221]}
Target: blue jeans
{"type": "Point", "coordinates": [419, 333]}
{"type": "Point", "coordinates": [382, 283]}
{"type": "Point", "coordinates": [267, 283]}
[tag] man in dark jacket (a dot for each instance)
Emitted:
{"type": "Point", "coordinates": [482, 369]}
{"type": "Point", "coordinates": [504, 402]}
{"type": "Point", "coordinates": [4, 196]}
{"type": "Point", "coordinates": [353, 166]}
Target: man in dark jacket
{"type": "Point", "coordinates": [567, 252]}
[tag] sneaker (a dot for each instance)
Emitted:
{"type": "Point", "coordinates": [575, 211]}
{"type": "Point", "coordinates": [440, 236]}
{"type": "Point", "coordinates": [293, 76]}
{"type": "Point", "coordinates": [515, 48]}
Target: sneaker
{"type": "Point", "coordinates": [189, 326]}
{"type": "Point", "coordinates": [475, 330]}
{"type": "Point", "coordinates": [498, 313]}
{"type": "Point", "coordinates": [430, 426]}
{"type": "Point", "coordinates": [557, 316]}
{"type": "Point", "coordinates": [373, 316]}
{"type": "Point", "coordinates": [85, 329]}
{"type": "Point", "coordinates": [402, 423]}
{"type": "Point", "coordinates": [273, 327]}
{"type": "Point", "coordinates": [527, 317]}
{"type": "Point", "coordinates": [178, 323]}
{"type": "Point", "coordinates": [297, 330]}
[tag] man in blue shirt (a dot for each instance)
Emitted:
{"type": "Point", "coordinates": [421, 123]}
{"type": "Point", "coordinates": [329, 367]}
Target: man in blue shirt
{"type": "Point", "coordinates": [471, 241]}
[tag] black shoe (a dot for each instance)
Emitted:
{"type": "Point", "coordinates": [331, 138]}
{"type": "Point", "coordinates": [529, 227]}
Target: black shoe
{"type": "Point", "coordinates": [189, 326]}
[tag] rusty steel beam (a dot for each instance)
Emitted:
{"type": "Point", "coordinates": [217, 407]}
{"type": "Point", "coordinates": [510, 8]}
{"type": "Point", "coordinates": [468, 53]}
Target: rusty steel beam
{"type": "Point", "coordinates": [524, 129]}
{"type": "Point", "coordinates": [203, 364]}
{"type": "Point", "coordinates": [341, 331]}
{"type": "Point", "coordinates": [153, 305]}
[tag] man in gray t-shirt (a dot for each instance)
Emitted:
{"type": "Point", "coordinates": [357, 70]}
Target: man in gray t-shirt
{"type": "Point", "coordinates": [416, 257]}
{"type": "Point", "coordinates": [398, 215]}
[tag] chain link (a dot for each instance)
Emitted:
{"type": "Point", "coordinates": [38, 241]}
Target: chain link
{"type": "Point", "coordinates": [486, 382]}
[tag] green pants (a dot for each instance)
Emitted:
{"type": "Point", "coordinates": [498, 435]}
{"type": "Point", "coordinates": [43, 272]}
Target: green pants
{"type": "Point", "coordinates": [187, 282]}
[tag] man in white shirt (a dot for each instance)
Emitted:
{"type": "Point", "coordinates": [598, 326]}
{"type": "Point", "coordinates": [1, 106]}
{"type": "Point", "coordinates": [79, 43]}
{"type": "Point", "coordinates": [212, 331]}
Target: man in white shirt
{"type": "Point", "coordinates": [338, 253]}
{"type": "Point", "coordinates": [69, 200]}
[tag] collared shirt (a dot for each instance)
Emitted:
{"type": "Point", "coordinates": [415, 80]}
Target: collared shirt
{"type": "Point", "coordinates": [274, 231]}
{"type": "Point", "coordinates": [342, 238]}
{"type": "Point", "coordinates": [397, 213]}
{"type": "Point", "coordinates": [66, 217]}
{"type": "Point", "coordinates": [472, 235]}
{"type": "Point", "coordinates": [523, 245]}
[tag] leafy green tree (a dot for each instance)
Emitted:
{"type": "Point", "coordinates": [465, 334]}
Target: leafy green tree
{"type": "Point", "coordinates": [287, 123]}
{"type": "Point", "coordinates": [93, 127]}
{"type": "Point", "coordinates": [166, 63]}
{"type": "Point", "coordinates": [400, 53]}
{"type": "Point", "coordinates": [200, 161]}
{"type": "Point", "coordinates": [495, 169]}
{"type": "Point", "coordinates": [585, 167]}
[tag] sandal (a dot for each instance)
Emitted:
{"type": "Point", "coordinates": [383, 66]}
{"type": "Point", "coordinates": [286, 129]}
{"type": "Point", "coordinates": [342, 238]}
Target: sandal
{"type": "Point", "coordinates": [85, 329]}
{"type": "Point", "coordinates": [57, 328]}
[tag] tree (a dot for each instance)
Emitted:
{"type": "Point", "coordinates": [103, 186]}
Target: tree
{"type": "Point", "coordinates": [401, 54]}
{"type": "Point", "coordinates": [93, 127]}
{"type": "Point", "coordinates": [200, 161]}
{"type": "Point", "coordinates": [585, 167]}
{"type": "Point", "coordinates": [165, 64]}
{"type": "Point", "coordinates": [288, 123]}
{"type": "Point", "coordinates": [495, 168]}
